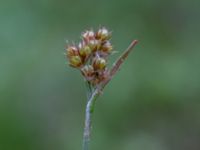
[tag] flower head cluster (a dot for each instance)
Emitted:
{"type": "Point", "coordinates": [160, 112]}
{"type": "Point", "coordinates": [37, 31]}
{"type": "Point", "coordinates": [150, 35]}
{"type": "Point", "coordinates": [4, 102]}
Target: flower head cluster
{"type": "Point", "coordinates": [90, 56]}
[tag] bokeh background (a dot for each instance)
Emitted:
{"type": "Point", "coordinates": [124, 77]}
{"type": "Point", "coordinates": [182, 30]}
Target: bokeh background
{"type": "Point", "coordinates": [153, 103]}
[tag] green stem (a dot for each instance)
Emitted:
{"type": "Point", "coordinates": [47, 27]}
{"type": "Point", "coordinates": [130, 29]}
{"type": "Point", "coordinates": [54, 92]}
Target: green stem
{"type": "Point", "coordinates": [88, 119]}
{"type": "Point", "coordinates": [89, 89]}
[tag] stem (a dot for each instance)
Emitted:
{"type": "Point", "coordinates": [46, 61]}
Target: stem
{"type": "Point", "coordinates": [89, 89]}
{"type": "Point", "coordinates": [88, 119]}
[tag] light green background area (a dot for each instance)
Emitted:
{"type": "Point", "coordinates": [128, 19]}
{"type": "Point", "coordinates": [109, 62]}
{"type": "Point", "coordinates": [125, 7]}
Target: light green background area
{"type": "Point", "coordinates": [153, 103]}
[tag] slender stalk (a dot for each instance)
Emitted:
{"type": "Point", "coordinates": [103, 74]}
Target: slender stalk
{"type": "Point", "coordinates": [88, 119]}
{"type": "Point", "coordinates": [89, 89]}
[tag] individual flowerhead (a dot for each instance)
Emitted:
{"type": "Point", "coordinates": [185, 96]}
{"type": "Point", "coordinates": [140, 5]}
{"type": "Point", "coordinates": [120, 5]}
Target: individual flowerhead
{"type": "Point", "coordinates": [73, 56]}
{"type": "Point", "coordinates": [107, 47]}
{"type": "Point", "coordinates": [103, 34]}
{"type": "Point", "coordinates": [72, 51]}
{"type": "Point", "coordinates": [75, 61]}
{"type": "Point", "coordinates": [88, 72]}
{"type": "Point", "coordinates": [84, 50]}
{"type": "Point", "coordinates": [88, 35]}
{"type": "Point", "coordinates": [99, 63]}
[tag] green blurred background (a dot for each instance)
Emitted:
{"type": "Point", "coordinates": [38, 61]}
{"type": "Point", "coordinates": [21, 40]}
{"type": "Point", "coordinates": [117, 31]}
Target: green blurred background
{"type": "Point", "coordinates": [151, 104]}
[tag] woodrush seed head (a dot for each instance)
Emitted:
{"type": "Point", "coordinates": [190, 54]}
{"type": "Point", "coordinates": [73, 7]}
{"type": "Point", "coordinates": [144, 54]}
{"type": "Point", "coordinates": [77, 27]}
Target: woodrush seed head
{"type": "Point", "coordinates": [91, 54]}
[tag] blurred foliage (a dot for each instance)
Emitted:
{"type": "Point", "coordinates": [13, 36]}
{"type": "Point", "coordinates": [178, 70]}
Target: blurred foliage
{"type": "Point", "coordinates": [152, 103]}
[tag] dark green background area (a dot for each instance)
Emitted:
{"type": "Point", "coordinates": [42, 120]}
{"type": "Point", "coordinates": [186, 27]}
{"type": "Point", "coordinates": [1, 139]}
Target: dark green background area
{"type": "Point", "coordinates": [153, 103]}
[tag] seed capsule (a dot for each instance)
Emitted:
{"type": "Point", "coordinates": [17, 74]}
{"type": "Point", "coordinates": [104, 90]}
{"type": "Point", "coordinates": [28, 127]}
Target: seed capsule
{"type": "Point", "coordinates": [85, 51]}
{"type": "Point", "coordinates": [99, 63]}
{"type": "Point", "coordinates": [88, 35]}
{"type": "Point", "coordinates": [75, 61]}
{"type": "Point", "coordinates": [94, 45]}
{"type": "Point", "coordinates": [103, 34]}
{"type": "Point", "coordinates": [88, 72]}
{"type": "Point", "coordinates": [72, 51]}
{"type": "Point", "coordinates": [107, 47]}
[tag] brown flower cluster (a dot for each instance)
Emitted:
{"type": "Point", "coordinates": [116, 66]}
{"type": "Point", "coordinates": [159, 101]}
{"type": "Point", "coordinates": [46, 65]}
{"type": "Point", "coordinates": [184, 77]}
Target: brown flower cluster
{"type": "Point", "coordinates": [90, 56]}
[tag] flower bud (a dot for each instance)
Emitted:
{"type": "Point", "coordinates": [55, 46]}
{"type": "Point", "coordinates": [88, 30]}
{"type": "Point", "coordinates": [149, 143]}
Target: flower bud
{"type": "Point", "coordinates": [88, 72]}
{"type": "Point", "coordinates": [85, 51]}
{"type": "Point", "coordinates": [72, 51]}
{"type": "Point", "coordinates": [88, 35]}
{"type": "Point", "coordinates": [94, 45]}
{"type": "Point", "coordinates": [75, 61]}
{"type": "Point", "coordinates": [99, 63]}
{"type": "Point", "coordinates": [107, 47]}
{"type": "Point", "coordinates": [103, 34]}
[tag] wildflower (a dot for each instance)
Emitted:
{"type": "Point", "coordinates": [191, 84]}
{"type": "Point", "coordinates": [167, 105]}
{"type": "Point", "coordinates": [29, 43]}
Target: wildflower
{"type": "Point", "coordinates": [90, 57]}
{"type": "Point", "coordinates": [91, 54]}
